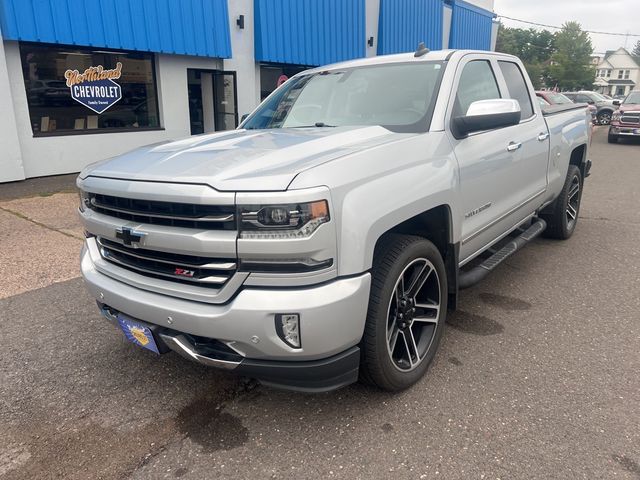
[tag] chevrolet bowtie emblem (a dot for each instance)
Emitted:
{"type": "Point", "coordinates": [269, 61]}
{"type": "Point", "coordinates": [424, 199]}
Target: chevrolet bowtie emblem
{"type": "Point", "coordinates": [128, 235]}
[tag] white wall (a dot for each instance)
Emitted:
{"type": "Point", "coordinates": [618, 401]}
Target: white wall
{"type": "Point", "coordinates": [10, 152]}
{"type": "Point", "coordinates": [447, 14]}
{"type": "Point", "coordinates": [70, 153]}
{"type": "Point", "coordinates": [372, 15]}
{"type": "Point", "coordinates": [486, 4]}
{"type": "Point", "coordinates": [242, 61]}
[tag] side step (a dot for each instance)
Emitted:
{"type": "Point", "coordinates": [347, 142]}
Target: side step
{"type": "Point", "coordinates": [471, 277]}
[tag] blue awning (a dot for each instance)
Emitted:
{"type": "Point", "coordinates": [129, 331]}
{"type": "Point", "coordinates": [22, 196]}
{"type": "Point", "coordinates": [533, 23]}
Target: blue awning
{"type": "Point", "coordinates": [470, 27]}
{"type": "Point", "coordinates": [309, 32]}
{"type": "Point", "coordinates": [185, 27]}
{"type": "Point", "coordinates": [405, 23]}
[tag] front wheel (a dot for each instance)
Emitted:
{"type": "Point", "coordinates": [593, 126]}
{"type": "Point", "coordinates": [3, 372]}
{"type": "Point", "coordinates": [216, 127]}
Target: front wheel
{"type": "Point", "coordinates": [407, 312]}
{"type": "Point", "coordinates": [604, 118]}
{"type": "Point", "coordinates": [563, 218]}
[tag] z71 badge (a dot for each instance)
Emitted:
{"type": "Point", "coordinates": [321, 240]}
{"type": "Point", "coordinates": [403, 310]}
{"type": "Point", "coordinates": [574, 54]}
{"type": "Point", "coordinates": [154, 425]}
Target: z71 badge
{"type": "Point", "coordinates": [184, 273]}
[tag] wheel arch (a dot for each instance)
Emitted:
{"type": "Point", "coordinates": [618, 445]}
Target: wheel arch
{"type": "Point", "coordinates": [435, 225]}
{"type": "Point", "coordinates": [578, 158]}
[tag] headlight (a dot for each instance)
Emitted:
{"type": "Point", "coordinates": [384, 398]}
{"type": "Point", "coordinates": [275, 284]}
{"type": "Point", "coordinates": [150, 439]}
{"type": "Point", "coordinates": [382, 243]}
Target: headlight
{"type": "Point", "coordinates": [615, 117]}
{"type": "Point", "coordinates": [293, 220]}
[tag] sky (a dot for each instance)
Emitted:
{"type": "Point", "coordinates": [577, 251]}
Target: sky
{"type": "Point", "coordinates": [620, 16]}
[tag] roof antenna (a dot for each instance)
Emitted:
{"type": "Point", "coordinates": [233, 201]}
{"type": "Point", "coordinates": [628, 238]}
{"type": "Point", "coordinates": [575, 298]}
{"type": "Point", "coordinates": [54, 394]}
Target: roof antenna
{"type": "Point", "coordinates": [422, 50]}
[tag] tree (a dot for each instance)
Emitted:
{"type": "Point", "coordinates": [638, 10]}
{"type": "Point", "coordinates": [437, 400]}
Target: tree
{"type": "Point", "coordinates": [571, 66]}
{"type": "Point", "coordinates": [533, 47]}
{"type": "Point", "coordinates": [636, 51]}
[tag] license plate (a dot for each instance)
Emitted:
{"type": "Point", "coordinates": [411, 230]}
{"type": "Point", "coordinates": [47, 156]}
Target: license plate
{"type": "Point", "coordinates": [137, 333]}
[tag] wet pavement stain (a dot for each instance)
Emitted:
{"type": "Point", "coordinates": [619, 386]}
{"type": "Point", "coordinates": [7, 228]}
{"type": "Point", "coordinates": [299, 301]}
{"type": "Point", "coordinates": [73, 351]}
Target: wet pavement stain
{"type": "Point", "coordinates": [204, 422]}
{"type": "Point", "coordinates": [91, 451]}
{"type": "Point", "coordinates": [180, 472]}
{"type": "Point", "coordinates": [504, 302]}
{"type": "Point", "coordinates": [629, 464]}
{"type": "Point", "coordinates": [387, 427]}
{"type": "Point", "coordinates": [455, 361]}
{"type": "Point", "coordinates": [474, 324]}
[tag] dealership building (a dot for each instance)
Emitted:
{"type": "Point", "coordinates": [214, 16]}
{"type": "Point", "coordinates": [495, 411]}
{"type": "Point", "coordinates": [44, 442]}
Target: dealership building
{"type": "Point", "coordinates": [81, 81]}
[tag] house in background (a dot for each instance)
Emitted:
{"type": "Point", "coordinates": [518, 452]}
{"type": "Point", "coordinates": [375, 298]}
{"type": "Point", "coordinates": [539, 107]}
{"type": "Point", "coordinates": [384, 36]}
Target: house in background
{"type": "Point", "coordinates": [617, 73]}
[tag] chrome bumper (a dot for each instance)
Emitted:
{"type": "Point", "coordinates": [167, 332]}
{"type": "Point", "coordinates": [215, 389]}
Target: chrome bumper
{"type": "Point", "coordinates": [332, 315]}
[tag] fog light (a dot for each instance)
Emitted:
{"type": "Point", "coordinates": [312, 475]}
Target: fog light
{"type": "Point", "coordinates": [288, 328]}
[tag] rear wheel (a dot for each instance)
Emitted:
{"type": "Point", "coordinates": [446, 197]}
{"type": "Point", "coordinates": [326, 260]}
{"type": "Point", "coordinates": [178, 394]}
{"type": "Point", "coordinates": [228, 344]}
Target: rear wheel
{"type": "Point", "coordinates": [563, 218]}
{"type": "Point", "coordinates": [407, 311]}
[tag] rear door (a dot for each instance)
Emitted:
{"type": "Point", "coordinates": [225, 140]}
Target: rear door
{"type": "Point", "coordinates": [531, 135]}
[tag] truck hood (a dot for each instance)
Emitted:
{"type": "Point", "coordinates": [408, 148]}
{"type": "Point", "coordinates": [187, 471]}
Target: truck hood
{"type": "Point", "coordinates": [629, 107]}
{"type": "Point", "coordinates": [241, 160]}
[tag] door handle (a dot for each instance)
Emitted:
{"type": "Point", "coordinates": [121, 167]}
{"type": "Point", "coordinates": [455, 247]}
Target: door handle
{"type": "Point", "coordinates": [543, 136]}
{"type": "Point", "coordinates": [513, 146]}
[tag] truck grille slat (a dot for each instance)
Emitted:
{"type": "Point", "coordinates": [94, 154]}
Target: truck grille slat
{"type": "Point", "coordinates": [211, 217]}
{"type": "Point", "coordinates": [630, 118]}
{"type": "Point", "coordinates": [202, 271]}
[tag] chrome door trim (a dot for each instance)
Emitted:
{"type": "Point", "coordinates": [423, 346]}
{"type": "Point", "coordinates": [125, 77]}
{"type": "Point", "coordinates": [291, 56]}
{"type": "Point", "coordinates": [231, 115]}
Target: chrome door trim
{"type": "Point", "coordinates": [502, 217]}
{"type": "Point", "coordinates": [495, 240]}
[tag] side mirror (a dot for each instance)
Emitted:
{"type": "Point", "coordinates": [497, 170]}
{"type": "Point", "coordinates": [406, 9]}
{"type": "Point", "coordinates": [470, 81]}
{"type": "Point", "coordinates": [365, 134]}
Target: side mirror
{"type": "Point", "coordinates": [616, 103]}
{"type": "Point", "coordinates": [487, 115]}
{"type": "Point", "coordinates": [244, 117]}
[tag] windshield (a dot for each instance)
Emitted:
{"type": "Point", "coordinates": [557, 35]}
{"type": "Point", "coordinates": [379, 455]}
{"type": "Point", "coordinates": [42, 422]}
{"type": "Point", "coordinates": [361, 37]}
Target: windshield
{"type": "Point", "coordinates": [598, 97]}
{"type": "Point", "coordinates": [632, 99]}
{"type": "Point", "coordinates": [558, 98]}
{"type": "Point", "coordinates": [398, 96]}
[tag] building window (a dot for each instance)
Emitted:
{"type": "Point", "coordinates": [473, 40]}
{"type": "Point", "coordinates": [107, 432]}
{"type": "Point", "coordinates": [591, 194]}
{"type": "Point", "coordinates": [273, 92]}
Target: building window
{"type": "Point", "coordinates": [608, 73]}
{"type": "Point", "coordinates": [620, 74]}
{"type": "Point", "coordinates": [626, 74]}
{"type": "Point", "coordinates": [80, 90]}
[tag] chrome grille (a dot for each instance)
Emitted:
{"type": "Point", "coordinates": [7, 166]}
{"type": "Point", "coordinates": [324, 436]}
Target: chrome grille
{"type": "Point", "coordinates": [630, 118]}
{"type": "Point", "coordinates": [188, 215]}
{"type": "Point", "coordinates": [189, 269]}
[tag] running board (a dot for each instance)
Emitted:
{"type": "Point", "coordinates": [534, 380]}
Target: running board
{"type": "Point", "coordinates": [471, 277]}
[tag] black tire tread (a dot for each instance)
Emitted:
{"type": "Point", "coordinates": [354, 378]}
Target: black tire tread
{"type": "Point", "coordinates": [386, 255]}
{"type": "Point", "coordinates": [555, 220]}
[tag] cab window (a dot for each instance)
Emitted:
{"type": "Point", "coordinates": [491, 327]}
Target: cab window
{"type": "Point", "coordinates": [517, 87]}
{"type": "Point", "coordinates": [477, 82]}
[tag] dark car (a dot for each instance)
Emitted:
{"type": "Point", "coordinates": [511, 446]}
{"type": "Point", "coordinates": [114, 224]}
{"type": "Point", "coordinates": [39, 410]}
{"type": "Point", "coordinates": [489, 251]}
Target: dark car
{"type": "Point", "coordinates": [625, 122]}
{"type": "Point", "coordinates": [604, 105]}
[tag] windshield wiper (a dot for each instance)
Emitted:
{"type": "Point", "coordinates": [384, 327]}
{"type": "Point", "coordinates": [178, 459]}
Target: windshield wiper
{"type": "Point", "coordinates": [317, 124]}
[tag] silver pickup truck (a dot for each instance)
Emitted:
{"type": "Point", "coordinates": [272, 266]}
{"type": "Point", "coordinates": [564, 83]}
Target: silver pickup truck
{"type": "Point", "coordinates": [325, 239]}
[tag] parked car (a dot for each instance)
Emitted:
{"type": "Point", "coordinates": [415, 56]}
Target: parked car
{"type": "Point", "coordinates": [556, 98]}
{"type": "Point", "coordinates": [625, 121]}
{"type": "Point", "coordinates": [325, 239]}
{"type": "Point", "coordinates": [605, 106]}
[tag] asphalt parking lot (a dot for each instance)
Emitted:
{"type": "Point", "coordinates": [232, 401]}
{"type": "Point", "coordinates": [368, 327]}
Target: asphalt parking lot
{"type": "Point", "coordinates": [537, 375]}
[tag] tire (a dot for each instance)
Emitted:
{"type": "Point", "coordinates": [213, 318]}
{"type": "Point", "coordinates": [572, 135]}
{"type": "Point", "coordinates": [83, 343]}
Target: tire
{"type": "Point", "coordinates": [563, 218]}
{"type": "Point", "coordinates": [399, 259]}
{"type": "Point", "coordinates": [604, 117]}
{"type": "Point", "coordinates": [612, 138]}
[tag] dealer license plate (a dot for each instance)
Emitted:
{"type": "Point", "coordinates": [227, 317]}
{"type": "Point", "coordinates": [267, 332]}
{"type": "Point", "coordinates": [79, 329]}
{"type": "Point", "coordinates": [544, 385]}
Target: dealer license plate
{"type": "Point", "coordinates": [137, 333]}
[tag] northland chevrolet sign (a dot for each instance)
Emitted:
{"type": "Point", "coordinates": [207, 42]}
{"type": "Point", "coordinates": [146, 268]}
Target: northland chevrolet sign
{"type": "Point", "coordinates": [95, 87]}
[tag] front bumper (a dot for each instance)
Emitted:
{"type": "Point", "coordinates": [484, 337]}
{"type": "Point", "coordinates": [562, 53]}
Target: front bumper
{"type": "Point", "coordinates": [627, 131]}
{"type": "Point", "coordinates": [332, 318]}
